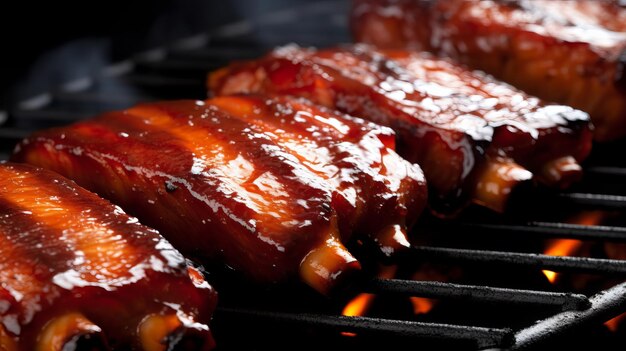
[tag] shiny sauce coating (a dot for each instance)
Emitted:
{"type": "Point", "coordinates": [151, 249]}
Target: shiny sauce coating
{"type": "Point", "coordinates": [570, 52]}
{"type": "Point", "coordinates": [448, 119]}
{"type": "Point", "coordinates": [254, 182]}
{"type": "Point", "coordinates": [64, 250]}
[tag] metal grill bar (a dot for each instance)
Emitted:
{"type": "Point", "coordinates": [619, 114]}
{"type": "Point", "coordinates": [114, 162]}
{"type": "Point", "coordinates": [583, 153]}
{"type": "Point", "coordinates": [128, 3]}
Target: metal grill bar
{"type": "Point", "coordinates": [594, 200]}
{"type": "Point", "coordinates": [557, 230]}
{"type": "Point", "coordinates": [13, 135]}
{"type": "Point", "coordinates": [539, 261]}
{"type": "Point", "coordinates": [434, 289]}
{"type": "Point", "coordinates": [178, 67]}
{"type": "Point", "coordinates": [606, 171]}
{"type": "Point", "coordinates": [217, 55]}
{"type": "Point", "coordinates": [484, 337]}
{"type": "Point", "coordinates": [604, 306]}
{"type": "Point", "coordinates": [97, 98]}
{"type": "Point", "coordinates": [163, 82]}
{"type": "Point", "coordinates": [47, 116]}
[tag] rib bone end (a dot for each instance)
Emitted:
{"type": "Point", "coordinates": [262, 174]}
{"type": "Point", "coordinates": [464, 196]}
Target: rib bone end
{"type": "Point", "coordinates": [328, 266]}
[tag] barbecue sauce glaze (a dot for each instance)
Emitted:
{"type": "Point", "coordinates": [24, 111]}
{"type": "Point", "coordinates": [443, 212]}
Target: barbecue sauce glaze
{"type": "Point", "coordinates": [475, 138]}
{"type": "Point", "coordinates": [271, 187]}
{"type": "Point", "coordinates": [570, 52]}
{"type": "Point", "coordinates": [75, 268]}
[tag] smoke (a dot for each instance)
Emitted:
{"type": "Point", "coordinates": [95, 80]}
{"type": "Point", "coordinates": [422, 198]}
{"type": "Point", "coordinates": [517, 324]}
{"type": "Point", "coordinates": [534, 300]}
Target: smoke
{"type": "Point", "coordinates": [72, 61]}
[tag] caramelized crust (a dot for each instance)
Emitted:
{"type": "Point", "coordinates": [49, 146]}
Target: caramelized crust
{"type": "Point", "coordinates": [455, 123]}
{"type": "Point", "coordinates": [269, 186]}
{"type": "Point", "coordinates": [570, 52]}
{"type": "Point", "coordinates": [73, 266]}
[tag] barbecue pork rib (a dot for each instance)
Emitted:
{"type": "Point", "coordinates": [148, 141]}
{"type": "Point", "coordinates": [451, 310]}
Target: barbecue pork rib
{"type": "Point", "coordinates": [570, 52]}
{"type": "Point", "coordinates": [271, 187]}
{"type": "Point", "coordinates": [77, 273]}
{"type": "Point", "coordinates": [474, 137]}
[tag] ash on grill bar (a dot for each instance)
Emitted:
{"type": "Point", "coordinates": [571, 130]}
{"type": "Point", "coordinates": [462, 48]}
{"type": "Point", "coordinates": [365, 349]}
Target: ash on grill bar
{"type": "Point", "coordinates": [547, 273]}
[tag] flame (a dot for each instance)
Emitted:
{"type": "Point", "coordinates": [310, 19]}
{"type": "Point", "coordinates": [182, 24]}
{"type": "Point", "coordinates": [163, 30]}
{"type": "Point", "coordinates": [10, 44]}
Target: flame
{"type": "Point", "coordinates": [359, 305]}
{"type": "Point", "coordinates": [614, 323]}
{"type": "Point", "coordinates": [565, 247]}
{"type": "Point", "coordinates": [590, 218]}
{"type": "Point", "coordinates": [561, 247]}
{"type": "Point", "coordinates": [421, 305]}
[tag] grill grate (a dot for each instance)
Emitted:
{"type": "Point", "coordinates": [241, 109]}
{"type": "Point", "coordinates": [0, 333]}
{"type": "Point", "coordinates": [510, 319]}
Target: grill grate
{"type": "Point", "coordinates": [481, 337]}
{"type": "Point", "coordinates": [539, 261]}
{"type": "Point", "coordinates": [178, 71]}
{"type": "Point", "coordinates": [431, 289]}
{"type": "Point", "coordinates": [542, 230]}
{"type": "Point", "coordinates": [604, 306]}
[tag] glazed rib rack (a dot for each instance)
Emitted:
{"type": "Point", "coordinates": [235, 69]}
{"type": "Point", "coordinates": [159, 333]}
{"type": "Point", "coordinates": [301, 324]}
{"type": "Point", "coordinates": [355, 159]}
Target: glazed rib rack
{"type": "Point", "coordinates": [502, 302]}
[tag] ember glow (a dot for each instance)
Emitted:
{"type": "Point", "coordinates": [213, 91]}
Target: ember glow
{"type": "Point", "coordinates": [421, 305]}
{"type": "Point", "coordinates": [566, 247]}
{"type": "Point", "coordinates": [362, 302]}
{"type": "Point", "coordinates": [561, 247]}
{"type": "Point", "coordinates": [613, 324]}
{"type": "Point", "coordinates": [359, 305]}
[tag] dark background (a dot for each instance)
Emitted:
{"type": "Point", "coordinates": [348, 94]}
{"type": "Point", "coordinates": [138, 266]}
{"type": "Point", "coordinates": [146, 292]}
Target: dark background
{"type": "Point", "coordinates": [47, 43]}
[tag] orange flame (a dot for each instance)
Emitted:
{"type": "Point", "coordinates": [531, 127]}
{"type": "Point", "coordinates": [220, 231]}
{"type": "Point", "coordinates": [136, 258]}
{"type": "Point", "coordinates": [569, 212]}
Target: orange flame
{"type": "Point", "coordinates": [565, 247]}
{"type": "Point", "coordinates": [421, 305]}
{"type": "Point", "coordinates": [614, 323]}
{"type": "Point", "coordinates": [359, 305]}
{"type": "Point", "coordinates": [561, 247]}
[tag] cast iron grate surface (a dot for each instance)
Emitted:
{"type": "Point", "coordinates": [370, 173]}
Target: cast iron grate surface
{"type": "Point", "coordinates": [490, 307]}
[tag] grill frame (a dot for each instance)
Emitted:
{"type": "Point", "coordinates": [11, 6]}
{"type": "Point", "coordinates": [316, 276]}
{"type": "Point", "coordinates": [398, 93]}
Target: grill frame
{"type": "Point", "coordinates": [165, 73]}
